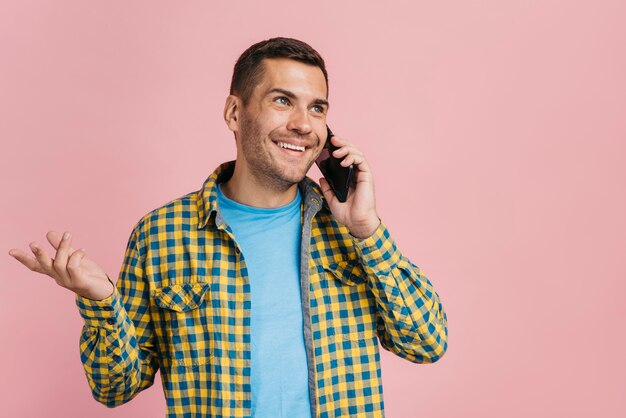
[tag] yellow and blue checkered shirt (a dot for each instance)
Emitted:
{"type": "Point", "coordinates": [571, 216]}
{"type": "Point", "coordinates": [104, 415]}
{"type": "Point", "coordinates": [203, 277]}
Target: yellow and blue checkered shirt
{"type": "Point", "coordinates": [182, 306]}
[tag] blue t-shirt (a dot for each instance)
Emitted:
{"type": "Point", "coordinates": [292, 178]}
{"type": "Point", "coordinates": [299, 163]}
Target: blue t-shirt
{"type": "Point", "coordinates": [269, 240]}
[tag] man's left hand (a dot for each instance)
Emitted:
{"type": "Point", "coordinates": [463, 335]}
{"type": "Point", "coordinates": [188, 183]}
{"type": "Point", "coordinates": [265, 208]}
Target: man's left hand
{"type": "Point", "coordinates": [358, 212]}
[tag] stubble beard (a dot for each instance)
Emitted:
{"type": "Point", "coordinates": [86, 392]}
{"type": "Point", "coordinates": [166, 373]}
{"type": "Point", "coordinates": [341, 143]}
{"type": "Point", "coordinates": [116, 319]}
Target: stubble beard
{"type": "Point", "coordinates": [262, 165]}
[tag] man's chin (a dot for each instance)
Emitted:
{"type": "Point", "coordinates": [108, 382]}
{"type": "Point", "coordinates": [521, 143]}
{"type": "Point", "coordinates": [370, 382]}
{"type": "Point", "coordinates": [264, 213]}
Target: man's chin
{"type": "Point", "coordinates": [294, 174]}
{"type": "Point", "coordinates": [289, 179]}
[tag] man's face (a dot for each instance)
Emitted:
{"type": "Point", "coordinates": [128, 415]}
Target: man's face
{"type": "Point", "coordinates": [287, 109]}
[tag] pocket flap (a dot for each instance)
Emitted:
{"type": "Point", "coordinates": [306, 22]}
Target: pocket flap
{"type": "Point", "coordinates": [181, 297]}
{"type": "Point", "coordinates": [349, 272]}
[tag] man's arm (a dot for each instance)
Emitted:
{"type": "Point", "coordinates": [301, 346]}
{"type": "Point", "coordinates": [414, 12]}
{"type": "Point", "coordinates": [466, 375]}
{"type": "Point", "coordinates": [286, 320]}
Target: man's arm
{"type": "Point", "coordinates": [117, 345]}
{"type": "Point", "coordinates": [412, 322]}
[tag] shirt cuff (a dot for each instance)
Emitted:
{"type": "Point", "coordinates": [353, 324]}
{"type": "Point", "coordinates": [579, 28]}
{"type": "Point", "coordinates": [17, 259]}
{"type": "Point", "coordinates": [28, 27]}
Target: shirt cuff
{"type": "Point", "coordinates": [103, 313]}
{"type": "Point", "coordinates": [378, 252]}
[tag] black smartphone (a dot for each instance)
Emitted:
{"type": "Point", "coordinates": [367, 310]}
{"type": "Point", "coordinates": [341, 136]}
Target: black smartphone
{"type": "Point", "coordinates": [338, 177]}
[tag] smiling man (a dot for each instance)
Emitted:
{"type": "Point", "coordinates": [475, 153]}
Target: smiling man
{"type": "Point", "coordinates": [261, 294]}
{"type": "Point", "coordinates": [279, 129]}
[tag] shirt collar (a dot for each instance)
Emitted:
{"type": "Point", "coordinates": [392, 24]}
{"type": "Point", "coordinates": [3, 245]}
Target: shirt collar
{"type": "Point", "coordinates": [312, 196]}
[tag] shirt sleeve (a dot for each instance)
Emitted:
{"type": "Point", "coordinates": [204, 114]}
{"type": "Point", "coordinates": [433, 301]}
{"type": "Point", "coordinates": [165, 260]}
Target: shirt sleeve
{"type": "Point", "coordinates": [117, 340]}
{"type": "Point", "coordinates": [411, 320]}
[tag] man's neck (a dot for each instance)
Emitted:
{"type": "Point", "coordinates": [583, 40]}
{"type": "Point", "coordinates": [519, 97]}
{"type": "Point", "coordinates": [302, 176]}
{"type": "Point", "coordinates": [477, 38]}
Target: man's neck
{"type": "Point", "coordinates": [246, 189]}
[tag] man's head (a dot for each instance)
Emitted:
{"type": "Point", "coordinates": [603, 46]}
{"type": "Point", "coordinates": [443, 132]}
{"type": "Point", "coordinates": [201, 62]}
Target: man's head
{"type": "Point", "coordinates": [280, 126]}
{"type": "Point", "coordinates": [249, 68]}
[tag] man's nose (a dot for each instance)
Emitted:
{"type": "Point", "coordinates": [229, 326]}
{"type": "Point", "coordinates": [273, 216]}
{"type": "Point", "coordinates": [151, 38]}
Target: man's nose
{"type": "Point", "coordinates": [300, 121]}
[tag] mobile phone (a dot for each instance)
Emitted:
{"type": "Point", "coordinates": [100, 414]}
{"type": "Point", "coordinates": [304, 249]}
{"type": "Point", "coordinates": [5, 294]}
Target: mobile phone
{"type": "Point", "coordinates": [338, 177]}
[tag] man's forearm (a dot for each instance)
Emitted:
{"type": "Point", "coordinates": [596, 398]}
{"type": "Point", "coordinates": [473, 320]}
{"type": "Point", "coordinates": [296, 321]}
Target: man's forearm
{"type": "Point", "coordinates": [116, 367]}
{"type": "Point", "coordinates": [415, 321]}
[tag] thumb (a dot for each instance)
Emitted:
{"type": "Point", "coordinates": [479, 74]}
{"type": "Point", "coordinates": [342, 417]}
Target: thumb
{"type": "Point", "coordinates": [73, 264]}
{"type": "Point", "coordinates": [54, 238]}
{"type": "Point", "coordinates": [329, 195]}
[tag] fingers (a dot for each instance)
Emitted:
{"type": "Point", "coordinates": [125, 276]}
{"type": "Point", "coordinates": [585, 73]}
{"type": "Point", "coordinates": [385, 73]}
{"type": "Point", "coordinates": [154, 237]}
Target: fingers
{"type": "Point", "coordinates": [73, 264]}
{"type": "Point", "coordinates": [352, 157]}
{"type": "Point", "coordinates": [339, 141]}
{"type": "Point", "coordinates": [28, 260]}
{"type": "Point", "coordinates": [60, 260]}
{"type": "Point", "coordinates": [54, 238]}
{"type": "Point", "coordinates": [67, 261]}
{"type": "Point", "coordinates": [350, 153]}
{"type": "Point", "coordinates": [43, 259]}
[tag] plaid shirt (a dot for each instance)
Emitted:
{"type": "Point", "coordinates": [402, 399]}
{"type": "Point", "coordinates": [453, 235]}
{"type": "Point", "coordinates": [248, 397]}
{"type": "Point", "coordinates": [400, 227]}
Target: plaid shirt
{"type": "Point", "coordinates": [182, 305]}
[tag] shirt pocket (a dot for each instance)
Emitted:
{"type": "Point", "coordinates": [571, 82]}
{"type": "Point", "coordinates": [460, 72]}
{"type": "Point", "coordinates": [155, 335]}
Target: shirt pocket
{"type": "Point", "coordinates": [348, 272]}
{"type": "Point", "coordinates": [181, 297]}
{"type": "Point", "coordinates": [183, 325]}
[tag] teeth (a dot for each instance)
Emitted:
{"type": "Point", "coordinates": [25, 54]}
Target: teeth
{"type": "Point", "coordinates": [293, 147]}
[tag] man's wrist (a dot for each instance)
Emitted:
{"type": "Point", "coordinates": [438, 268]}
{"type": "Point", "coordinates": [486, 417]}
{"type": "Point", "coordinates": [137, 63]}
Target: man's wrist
{"type": "Point", "coordinates": [366, 230]}
{"type": "Point", "coordinates": [101, 293]}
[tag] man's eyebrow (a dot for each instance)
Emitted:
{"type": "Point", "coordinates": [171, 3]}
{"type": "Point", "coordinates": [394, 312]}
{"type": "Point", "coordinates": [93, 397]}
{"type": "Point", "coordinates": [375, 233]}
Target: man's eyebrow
{"type": "Point", "coordinates": [291, 95]}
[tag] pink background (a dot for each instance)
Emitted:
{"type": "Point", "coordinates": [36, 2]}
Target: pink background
{"type": "Point", "coordinates": [496, 132]}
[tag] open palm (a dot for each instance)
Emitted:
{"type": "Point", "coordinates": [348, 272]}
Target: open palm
{"type": "Point", "coordinates": [70, 268]}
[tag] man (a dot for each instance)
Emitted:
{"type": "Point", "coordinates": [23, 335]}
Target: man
{"type": "Point", "coordinates": [260, 294]}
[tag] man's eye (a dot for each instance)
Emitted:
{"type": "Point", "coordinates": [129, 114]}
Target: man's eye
{"type": "Point", "coordinates": [318, 109]}
{"type": "Point", "coordinates": [282, 100]}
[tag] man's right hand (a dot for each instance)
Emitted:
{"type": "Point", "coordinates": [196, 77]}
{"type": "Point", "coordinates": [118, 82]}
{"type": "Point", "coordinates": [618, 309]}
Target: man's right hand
{"type": "Point", "coordinates": [70, 268]}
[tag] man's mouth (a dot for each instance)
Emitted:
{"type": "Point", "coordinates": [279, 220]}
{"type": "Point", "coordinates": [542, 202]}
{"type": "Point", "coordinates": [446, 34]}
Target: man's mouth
{"type": "Point", "coordinates": [290, 146]}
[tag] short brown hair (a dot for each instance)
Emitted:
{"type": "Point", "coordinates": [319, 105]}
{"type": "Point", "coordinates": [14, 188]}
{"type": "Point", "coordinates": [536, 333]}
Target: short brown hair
{"type": "Point", "coordinates": [248, 70]}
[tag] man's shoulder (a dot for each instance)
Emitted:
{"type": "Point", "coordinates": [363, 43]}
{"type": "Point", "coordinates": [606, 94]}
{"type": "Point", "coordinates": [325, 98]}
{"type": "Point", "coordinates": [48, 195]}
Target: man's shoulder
{"type": "Point", "coordinates": [179, 211]}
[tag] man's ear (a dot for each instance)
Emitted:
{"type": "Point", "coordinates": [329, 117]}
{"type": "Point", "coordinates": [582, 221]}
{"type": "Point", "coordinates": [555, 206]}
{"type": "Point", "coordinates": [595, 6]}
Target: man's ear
{"type": "Point", "coordinates": [231, 112]}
